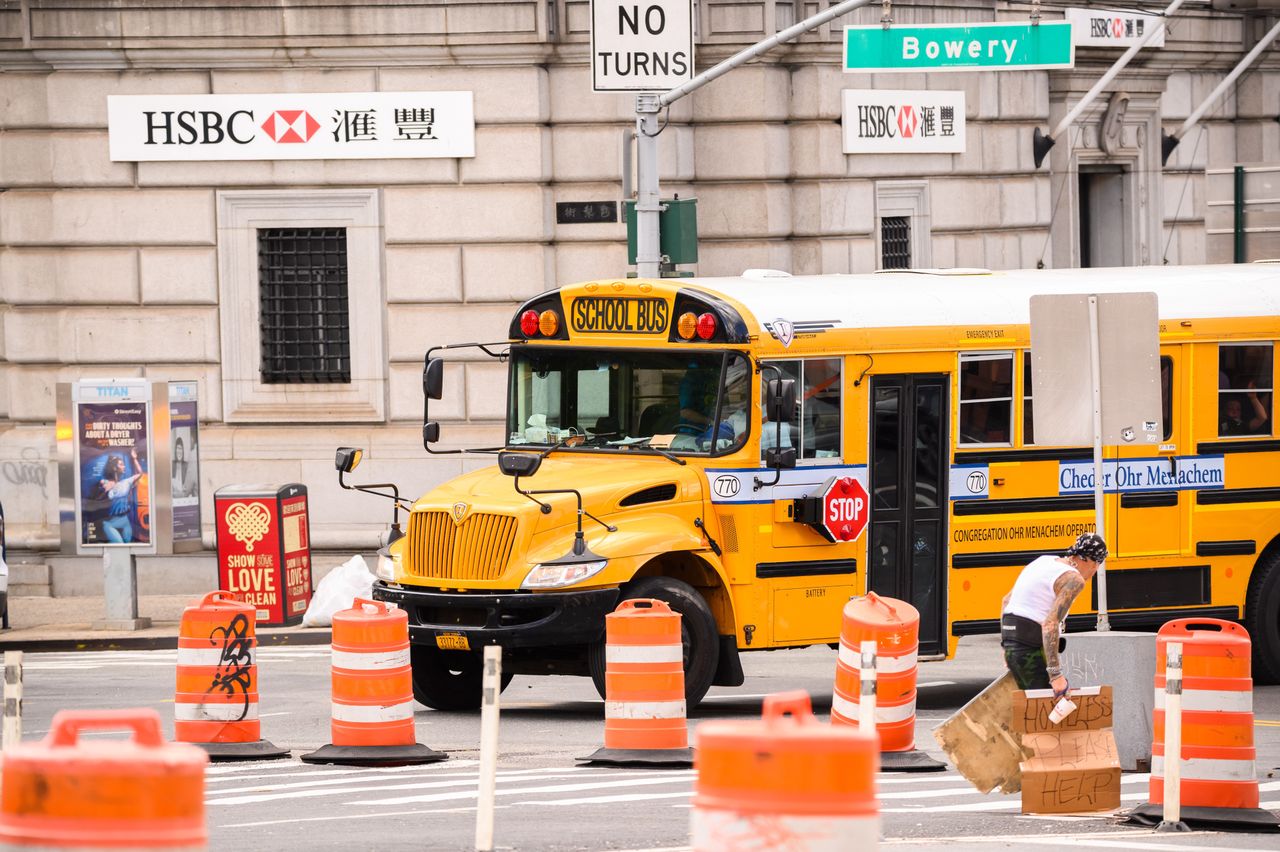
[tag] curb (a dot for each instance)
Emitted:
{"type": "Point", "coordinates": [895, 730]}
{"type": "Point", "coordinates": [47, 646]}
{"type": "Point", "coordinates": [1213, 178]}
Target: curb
{"type": "Point", "coordinates": [155, 643]}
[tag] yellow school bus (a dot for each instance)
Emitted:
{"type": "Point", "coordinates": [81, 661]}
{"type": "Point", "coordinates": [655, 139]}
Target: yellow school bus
{"type": "Point", "coordinates": [673, 439]}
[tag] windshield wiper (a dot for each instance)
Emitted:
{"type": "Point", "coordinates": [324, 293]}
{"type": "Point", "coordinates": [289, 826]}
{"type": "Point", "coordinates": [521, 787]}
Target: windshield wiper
{"type": "Point", "coordinates": [663, 453]}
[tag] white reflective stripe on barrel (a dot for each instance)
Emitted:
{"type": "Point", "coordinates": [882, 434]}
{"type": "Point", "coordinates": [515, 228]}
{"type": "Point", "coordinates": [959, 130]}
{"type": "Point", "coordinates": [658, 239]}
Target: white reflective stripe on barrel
{"type": "Point", "coordinates": [213, 656]}
{"type": "Point", "coordinates": [370, 660]}
{"type": "Point", "coordinates": [884, 663]}
{"type": "Point", "coordinates": [716, 830]}
{"type": "Point", "coordinates": [1208, 769]}
{"type": "Point", "coordinates": [234, 712]}
{"type": "Point", "coordinates": [1221, 700]}
{"type": "Point", "coordinates": [849, 710]}
{"type": "Point", "coordinates": [644, 709]}
{"type": "Point", "coordinates": [644, 654]}
{"type": "Point", "coordinates": [372, 712]}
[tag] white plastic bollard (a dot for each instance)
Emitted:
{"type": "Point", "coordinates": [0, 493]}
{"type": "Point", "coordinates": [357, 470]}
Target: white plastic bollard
{"type": "Point", "coordinates": [867, 682]}
{"type": "Point", "coordinates": [1172, 817]}
{"type": "Point", "coordinates": [12, 732]}
{"type": "Point", "coordinates": [490, 689]}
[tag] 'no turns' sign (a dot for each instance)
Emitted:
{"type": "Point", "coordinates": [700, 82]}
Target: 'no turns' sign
{"type": "Point", "coordinates": [641, 45]}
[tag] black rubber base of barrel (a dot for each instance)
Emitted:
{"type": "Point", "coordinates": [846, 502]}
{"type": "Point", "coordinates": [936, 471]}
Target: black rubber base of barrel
{"type": "Point", "coordinates": [261, 750]}
{"type": "Point", "coordinates": [909, 761]}
{"type": "Point", "coordinates": [641, 757]}
{"type": "Point", "coordinates": [1211, 819]}
{"type": "Point", "coordinates": [398, 755]}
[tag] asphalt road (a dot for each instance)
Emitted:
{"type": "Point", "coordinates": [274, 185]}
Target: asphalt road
{"type": "Point", "coordinates": [546, 800]}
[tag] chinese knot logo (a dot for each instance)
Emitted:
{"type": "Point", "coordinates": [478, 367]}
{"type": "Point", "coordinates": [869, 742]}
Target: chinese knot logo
{"type": "Point", "coordinates": [907, 121]}
{"type": "Point", "coordinates": [291, 125]}
{"type": "Point", "coordinates": [248, 523]}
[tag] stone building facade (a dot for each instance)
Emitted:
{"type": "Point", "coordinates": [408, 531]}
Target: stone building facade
{"type": "Point", "coordinates": [135, 268]}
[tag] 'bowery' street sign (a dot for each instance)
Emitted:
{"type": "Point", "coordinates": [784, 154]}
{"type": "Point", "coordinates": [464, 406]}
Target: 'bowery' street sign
{"type": "Point", "coordinates": [942, 47]}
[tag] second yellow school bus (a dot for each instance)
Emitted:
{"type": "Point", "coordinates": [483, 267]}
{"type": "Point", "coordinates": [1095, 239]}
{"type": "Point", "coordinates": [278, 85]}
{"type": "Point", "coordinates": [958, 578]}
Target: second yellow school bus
{"type": "Point", "coordinates": [643, 403]}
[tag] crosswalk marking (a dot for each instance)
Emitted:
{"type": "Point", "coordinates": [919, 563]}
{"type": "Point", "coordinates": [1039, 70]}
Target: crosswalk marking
{"type": "Point", "coordinates": [82, 661]}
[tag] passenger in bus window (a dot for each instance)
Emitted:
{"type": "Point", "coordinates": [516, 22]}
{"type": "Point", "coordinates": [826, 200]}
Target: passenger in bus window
{"type": "Point", "coordinates": [1243, 414]}
{"type": "Point", "coordinates": [698, 391]}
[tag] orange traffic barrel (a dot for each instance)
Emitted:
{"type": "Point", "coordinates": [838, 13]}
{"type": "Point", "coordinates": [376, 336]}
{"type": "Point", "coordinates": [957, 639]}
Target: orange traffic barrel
{"type": "Point", "coordinates": [787, 781]}
{"type": "Point", "coordinates": [1219, 783]}
{"type": "Point", "coordinates": [142, 792]}
{"type": "Point", "coordinates": [215, 705]}
{"type": "Point", "coordinates": [372, 686]}
{"type": "Point", "coordinates": [894, 626]}
{"type": "Point", "coordinates": [644, 705]}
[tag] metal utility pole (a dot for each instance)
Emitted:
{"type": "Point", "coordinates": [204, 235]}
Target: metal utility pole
{"type": "Point", "coordinates": [648, 105]}
{"type": "Point", "coordinates": [1170, 141]}
{"type": "Point", "coordinates": [1040, 143]}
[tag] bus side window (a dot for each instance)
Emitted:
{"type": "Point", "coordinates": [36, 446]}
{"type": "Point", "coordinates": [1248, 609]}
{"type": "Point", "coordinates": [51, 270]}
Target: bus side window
{"type": "Point", "coordinates": [1028, 429]}
{"type": "Point", "coordinates": [1245, 388]}
{"type": "Point", "coordinates": [1166, 395]}
{"type": "Point", "coordinates": [817, 430]}
{"type": "Point", "coordinates": [986, 398]}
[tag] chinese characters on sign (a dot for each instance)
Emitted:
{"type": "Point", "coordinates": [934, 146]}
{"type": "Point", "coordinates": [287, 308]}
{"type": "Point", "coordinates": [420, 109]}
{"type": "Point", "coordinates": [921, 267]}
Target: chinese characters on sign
{"type": "Point", "coordinates": [372, 125]}
{"type": "Point", "coordinates": [903, 122]}
{"type": "Point", "coordinates": [586, 212]}
{"type": "Point", "coordinates": [1110, 28]}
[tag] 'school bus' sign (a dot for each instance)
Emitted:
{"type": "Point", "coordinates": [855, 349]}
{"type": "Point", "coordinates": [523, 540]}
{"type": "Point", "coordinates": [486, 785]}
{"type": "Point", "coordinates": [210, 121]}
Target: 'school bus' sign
{"type": "Point", "coordinates": [943, 47]}
{"type": "Point", "coordinates": [644, 46]}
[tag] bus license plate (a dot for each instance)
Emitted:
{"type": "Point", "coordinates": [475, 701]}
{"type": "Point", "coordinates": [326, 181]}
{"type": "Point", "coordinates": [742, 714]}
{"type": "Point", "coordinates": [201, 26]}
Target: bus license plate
{"type": "Point", "coordinates": [452, 642]}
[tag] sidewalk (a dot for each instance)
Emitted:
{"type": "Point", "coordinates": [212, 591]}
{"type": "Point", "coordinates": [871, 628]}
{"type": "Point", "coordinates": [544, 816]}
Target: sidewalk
{"type": "Point", "coordinates": [66, 624]}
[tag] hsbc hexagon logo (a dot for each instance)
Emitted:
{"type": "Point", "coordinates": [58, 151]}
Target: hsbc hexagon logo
{"type": "Point", "coordinates": [290, 126]}
{"type": "Point", "coordinates": [908, 121]}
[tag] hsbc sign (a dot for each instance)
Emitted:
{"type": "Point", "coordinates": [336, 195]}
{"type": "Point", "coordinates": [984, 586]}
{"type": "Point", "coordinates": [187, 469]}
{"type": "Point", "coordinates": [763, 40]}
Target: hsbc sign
{"type": "Point", "coordinates": [879, 121]}
{"type": "Point", "coordinates": [1109, 28]}
{"type": "Point", "coordinates": [335, 126]}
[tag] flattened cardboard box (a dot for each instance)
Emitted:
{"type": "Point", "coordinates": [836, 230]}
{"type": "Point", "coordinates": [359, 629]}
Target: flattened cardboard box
{"type": "Point", "coordinates": [1075, 766]}
{"type": "Point", "coordinates": [980, 742]}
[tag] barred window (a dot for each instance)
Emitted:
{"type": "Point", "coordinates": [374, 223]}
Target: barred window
{"type": "Point", "coordinates": [303, 312]}
{"type": "Point", "coordinates": [895, 242]}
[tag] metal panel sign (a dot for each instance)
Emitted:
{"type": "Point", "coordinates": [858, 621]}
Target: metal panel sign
{"type": "Point", "coordinates": [877, 121]}
{"type": "Point", "coordinates": [1109, 28]}
{"type": "Point", "coordinates": [644, 46]}
{"type": "Point", "coordinates": [113, 455]}
{"type": "Point", "coordinates": [944, 47]}
{"type": "Point", "coordinates": [308, 126]}
{"type": "Point", "coordinates": [1129, 355]}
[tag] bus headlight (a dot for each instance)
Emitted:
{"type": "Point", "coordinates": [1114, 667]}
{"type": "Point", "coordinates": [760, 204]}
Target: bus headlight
{"type": "Point", "coordinates": [387, 564]}
{"type": "Point", "coordinates": [555, 576]}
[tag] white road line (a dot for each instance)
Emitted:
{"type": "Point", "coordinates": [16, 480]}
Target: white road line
{"type": "Point", "coordinates": [604, 800]}
{"type": "Point", "coordinates": [929, 794]}
{"type": "Point", "coordinates": [935, 683]}
{"type": "Point", "coordinates": [301, 770]}
{"type": "Point", "coordinates": [372, 776]}
{"type": "Point", "coordinates": [550, 788]}
{"type": "Point", "coordinates": [461, 810]}
{"type": "Point", "coordinates": [1113, 840]}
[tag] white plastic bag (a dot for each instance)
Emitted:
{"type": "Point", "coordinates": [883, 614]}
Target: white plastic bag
{"type": "Point", "coordinates": [350, 580]}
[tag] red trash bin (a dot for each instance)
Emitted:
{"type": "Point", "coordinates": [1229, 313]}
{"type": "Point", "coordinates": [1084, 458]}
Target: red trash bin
{"type": "Point", "coordinates": [264, 549]}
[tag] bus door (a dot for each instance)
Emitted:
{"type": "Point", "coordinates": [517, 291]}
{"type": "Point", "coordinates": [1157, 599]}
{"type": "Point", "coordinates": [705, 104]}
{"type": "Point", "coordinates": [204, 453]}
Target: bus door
{"type": "Point", "coordinates": [1148, 519]}
{"type": "Point", "coordinates": [908, 456]}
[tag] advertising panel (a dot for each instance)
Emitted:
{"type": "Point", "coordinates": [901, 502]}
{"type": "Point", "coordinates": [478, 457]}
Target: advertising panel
{"type": "Point", "coordinates": [297, 554]}
{"type": "Point", "coordinates": [184, 461]}
{"type": "Point", "coordinates": [114, 482]}
{"type": "Point", "coordinates": [264, 549]}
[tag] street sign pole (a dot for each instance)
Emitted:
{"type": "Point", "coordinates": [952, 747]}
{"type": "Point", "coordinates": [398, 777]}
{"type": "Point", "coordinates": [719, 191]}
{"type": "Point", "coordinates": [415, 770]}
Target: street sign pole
{"type": "Point", "coordinates": [1095, 370]}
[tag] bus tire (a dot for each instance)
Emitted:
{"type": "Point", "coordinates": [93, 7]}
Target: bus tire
{"type": "Point", "coordinates": [447, 680]}
{"type": "Point", "coordinates": [1262, 618]}
{"type": "Point", "coordinates": [697, 628]}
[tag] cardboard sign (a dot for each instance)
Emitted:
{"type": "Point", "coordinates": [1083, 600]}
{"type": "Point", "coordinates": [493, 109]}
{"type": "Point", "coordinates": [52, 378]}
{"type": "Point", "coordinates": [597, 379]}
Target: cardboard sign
{"type": "Point", "coordinates": [980, 742]}
{"type": "Point", "coordinates": [1073, 765]}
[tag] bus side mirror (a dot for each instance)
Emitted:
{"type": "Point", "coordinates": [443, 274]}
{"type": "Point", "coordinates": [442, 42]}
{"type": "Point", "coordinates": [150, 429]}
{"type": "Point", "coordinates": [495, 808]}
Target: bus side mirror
{"type": "Point", "coordinates": [780, 457]}
{"type": "Point", "coordinates": [430, 432]}
{"type": "Point", "coordinates": [781, 394]}
{"type": "Point", "coordinates": [433, 378]}
{"type": "Point", "coordinates": [347, 459]}
{"type": "Point", "coordinates": [519, 464]}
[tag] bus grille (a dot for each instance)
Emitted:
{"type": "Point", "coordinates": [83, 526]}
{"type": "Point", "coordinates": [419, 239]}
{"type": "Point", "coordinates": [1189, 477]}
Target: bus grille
{"type": "Point", "coordinates": [477, 549]}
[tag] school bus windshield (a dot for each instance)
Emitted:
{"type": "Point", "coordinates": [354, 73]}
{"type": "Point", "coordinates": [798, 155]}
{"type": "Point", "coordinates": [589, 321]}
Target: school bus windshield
{"type": "Point", "coordinates": [692, 402]}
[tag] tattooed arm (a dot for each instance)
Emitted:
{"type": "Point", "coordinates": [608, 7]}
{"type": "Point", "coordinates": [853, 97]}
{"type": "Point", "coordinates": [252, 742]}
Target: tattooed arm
{"type": "Point", "coordinates": [1065, 589]}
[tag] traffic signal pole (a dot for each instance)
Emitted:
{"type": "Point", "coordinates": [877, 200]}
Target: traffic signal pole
{"type": "Point", "coordinates": [648, 106]}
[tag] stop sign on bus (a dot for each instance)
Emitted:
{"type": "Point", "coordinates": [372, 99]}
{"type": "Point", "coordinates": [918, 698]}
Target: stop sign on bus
{"type": "Point", "coordinates": [845, 508]}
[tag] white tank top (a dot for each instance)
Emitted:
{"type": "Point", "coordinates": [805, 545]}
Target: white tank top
{"type": "Point", "coordinates": [1033, 595]}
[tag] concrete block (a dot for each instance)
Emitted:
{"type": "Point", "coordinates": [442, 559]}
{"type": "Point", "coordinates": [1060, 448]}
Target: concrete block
{"type": "Point", "coordinates": [751, 93]}
{"type": "Point", "coordinates": [30, 387]}
{"type": "Point", "coordinates": [573, 102]}
{"type": "Point", "coordinates": [486, 391]}
{"type": "Point", "coordinates": [943, 247]}
{"type": "Point", "coordinates": [815, 91]}
{"type": "Point", "coordinates": [962, 203]}
{"type": "Point", "coordinates": [1183, 196]}
{"type": "Point", "coordinates": [588, 152]}
{"type": "Point", "coordinates": [23, 100]}
{"type": "Point", "coordinates": [1019, 204]}
{"type": "Point", "coordinates": [817, 151]}
{"type": "Point", "coordinates": [411, 329]}
{"type": "Point", "coordinates": [1127, 663]}
{"type": "Point", "coordinates": [970, 251]}
{"type": "Point", "coordinates": [1002, 250]}
{"type": "Point", "coordinates": [739, 210]}
{"type": "Point", "coordinates": [291, 173]}
{"type": "Point", "coordinates": [829, 208]}
{"type": "Point", "coordinates": [106, 217]}
{"type": "Point", "coordinates": [731, 257]}
{"type": "Point", "coordinates": [272, 81]}
{"type": "Point", "coordinates": [742, 151]}
{"type": "Point", "coordinates": [69, 276]}
{"type": "Point", "coordinates": [108, 335]}
{"type": "Point", "coordinates": [506, 274]}
{"type": "Point", "coordinates": [462, 214]}
{"type": "Point", "coordinates": [587, 261]}
{"type": "Point", "coordinates": [1022, 97]}
{"type": "Point", "coordinates": [513, 153]}
{"type": "Point", "coordinates": [79, 98]}
{"type": "Point", "coordinates": [405, 386]}
{"type": "Point", "coordinates": [503, 94]}
{"type": "Point", "coordinates": [179, 276]}
{"type": "Point", "coordinates": [1176, 102]}
{"type": "Point", "coordinates": [31, 158]}
{"type": "Point", "coordinates": [423, 274]}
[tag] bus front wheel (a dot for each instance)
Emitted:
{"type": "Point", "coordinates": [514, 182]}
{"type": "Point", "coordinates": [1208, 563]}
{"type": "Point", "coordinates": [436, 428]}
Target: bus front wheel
{"type": "Point", "coordinates": [697, 633]}
{"type": "Point", "coordinates": [447, 680]}
{"type": "Point", "coordinates": [1262, 618]}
